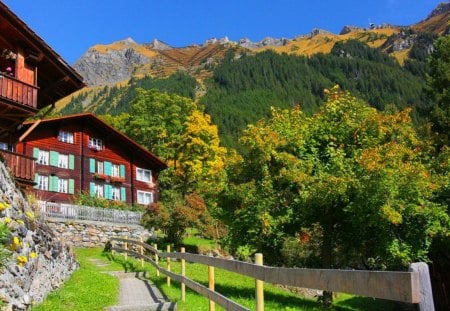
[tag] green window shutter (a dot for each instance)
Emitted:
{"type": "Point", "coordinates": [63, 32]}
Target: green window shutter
{"type": "Point", "coordinates": [122, 170]}
{"type": "Point", "coordinates": [36, 180]}
{"type": "Point", "coordinates": [71, 161]}
{"type": "Point", "coordinates": [36, 153]}
{"type": "Point", "coordinates": [92, 165]}
{"type": "Point", "coordinates": [71, 186]}
{"type": "Point", "coordinates": [92, 189]}
{"type": "Point", "coordinates": [54, 158]}
{"type": "Point", "coordinates": [123, 194]}
{"type": "Point", "coordinates": [108, 192]}
{"type": "Point", "coordinates": [54, 183]}
{"type": "Point", "coordinates": [107, 168]}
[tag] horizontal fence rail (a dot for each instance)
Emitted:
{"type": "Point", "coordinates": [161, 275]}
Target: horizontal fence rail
{"type": "Point", "coordinates": [77, 212]}
{"type": "Point", "coordinates": [391, 285]}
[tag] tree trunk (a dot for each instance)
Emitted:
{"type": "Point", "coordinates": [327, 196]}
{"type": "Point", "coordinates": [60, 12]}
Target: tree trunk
{"type": "Point", "coordinates": [327, 259]}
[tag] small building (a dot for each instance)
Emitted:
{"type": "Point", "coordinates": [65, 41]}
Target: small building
{"type": "Point", "coordinates": [32, 76]}
{"type": "Point", "coordinates": [81, 153]}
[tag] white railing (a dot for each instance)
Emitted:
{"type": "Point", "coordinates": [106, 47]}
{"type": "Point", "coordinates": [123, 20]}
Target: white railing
{"type": "Point", "coordinates": [76, 212]}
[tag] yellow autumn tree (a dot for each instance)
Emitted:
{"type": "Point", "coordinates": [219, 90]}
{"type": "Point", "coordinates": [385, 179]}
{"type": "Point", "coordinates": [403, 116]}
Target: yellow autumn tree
{"type": "Point", "coordinates": [201, 158]}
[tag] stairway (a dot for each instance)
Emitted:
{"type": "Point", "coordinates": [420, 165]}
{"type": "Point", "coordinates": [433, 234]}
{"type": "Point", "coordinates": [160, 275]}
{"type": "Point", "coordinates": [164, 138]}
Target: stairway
{"type": "Point", "coordinates": [137, 293]}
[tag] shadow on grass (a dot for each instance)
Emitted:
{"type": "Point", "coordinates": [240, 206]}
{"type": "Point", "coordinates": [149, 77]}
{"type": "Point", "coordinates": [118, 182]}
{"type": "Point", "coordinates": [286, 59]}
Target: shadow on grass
{"type": "Point", "coordinates": [237, 294]}
{"type": "Point", "coordinates": [368, 304]}
{"type": "Point", "coordinates": [127, 265]}
{"type": "Point", "coordinates": [287, 302]}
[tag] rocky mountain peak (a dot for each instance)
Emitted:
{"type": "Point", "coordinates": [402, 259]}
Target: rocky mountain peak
{"type": "Point", "coordinates": [159, 45]}
{"type": "Point", "coordinates": [223, 40]}
{"type": "Point", "coordinates": [440, 9]}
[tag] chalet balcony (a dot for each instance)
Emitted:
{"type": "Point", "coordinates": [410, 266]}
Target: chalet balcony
{"type": "Point", "coordinates": [21, 166]}
{"type": "Point", "coordinates": [18, 92]}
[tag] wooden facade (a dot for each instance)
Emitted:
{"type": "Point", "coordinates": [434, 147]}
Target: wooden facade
{"type": "Point", "coordinates": [32, 77]}
{"type": "Point", "coordinates": [82, 153]}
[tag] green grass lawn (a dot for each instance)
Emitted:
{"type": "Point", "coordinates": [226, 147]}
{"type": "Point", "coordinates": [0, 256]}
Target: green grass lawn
{"type": "Point", "coordinates": [242, 290]}
{"type": "Point", "coordinates": [91, 289]}
{"type": "Point", "coordinates": [87, 289]}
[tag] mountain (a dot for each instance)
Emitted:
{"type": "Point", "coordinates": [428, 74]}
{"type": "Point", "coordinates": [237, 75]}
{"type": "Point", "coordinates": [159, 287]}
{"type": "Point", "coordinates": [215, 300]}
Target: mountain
{"type": "Point", "coordinates": [237, 82]}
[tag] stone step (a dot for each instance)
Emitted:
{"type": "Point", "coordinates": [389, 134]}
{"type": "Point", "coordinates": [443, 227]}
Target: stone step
{"type": "Point", "coordinates": [137, 293]}
{"type": "Point", "coordinates": [165, 306]}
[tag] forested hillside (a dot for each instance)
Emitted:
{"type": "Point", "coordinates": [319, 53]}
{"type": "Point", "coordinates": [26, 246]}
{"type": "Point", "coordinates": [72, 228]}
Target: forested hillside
{"type": "Point", "coordinates": [114, 100]}
{"type": "Point", "coordinates": [243, 88]}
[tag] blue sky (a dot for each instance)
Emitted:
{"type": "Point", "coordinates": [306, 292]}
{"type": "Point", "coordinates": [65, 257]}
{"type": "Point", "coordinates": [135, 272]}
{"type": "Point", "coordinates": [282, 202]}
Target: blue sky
{"type": "Point", "coordinates": [71, 27]}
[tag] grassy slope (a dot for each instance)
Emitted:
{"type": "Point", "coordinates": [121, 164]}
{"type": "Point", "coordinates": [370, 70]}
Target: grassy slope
{"type": "Point", "coordinates": [88, 289]}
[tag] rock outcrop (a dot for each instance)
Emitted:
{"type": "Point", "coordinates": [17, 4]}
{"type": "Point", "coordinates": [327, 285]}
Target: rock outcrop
{"type": "Point", "coordinates": [101, 67]}
{"type": "Point", "coordinates": [36, 261]}
{"type": "Point", "coordinates": [159, 45]}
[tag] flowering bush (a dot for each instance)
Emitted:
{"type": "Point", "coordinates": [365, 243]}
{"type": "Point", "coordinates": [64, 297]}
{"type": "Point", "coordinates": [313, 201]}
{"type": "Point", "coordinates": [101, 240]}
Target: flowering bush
{"type": "Point", "coordinates": [21, 260]}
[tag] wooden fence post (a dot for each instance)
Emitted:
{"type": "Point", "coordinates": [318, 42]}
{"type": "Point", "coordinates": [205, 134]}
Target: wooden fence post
{"type": "Point", "coordinates": [183, 274]}
{"type": "Point", "coordinates": [212, 304]}
{"type": "Point", "coordinates": [142, 253]}
{"type": "Point", "coordinates": [156, 258]}
{"type": "Point", "coordinates": [426, 294]}
{"type": "Point", "coordinates": [112, 247]}
{"type": "Point", "coordinates": [126, 248]}
{"type": "Point", "coordinates": [259, 285]}
{"type": "Point", "coordinates": [168, 265]}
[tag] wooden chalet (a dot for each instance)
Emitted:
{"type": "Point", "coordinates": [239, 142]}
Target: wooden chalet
{"type": "Point", "coordinates": [32, 76]}
{"type": "Point", "coordinates": [82, 153]}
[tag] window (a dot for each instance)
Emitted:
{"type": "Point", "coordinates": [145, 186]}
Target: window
{"type": "Point", "coordinates": [43, 157]}
{"type": "Point", "coordinates": [65, 137]}
{"type": "Point", "coordinates": [115, 194]}
{"type": "Point", "coordinates": [144, 197]}
{"type": "Point", "coordinates": [95, 143]}
{"type": "Point", "coordinates": [99, 191]}
{"type": "Point", "coordinates": [63, 185]}
{"type": "Point", "coordinates": [99, 167]}
{"type": "Point", "coordinates": [63, 161]}
{"type": "Point", "coordinates": [42, 182]}
{"type": "Point", "coordinates": [115, 170]}
{"type": "Point", "coordinates": [3, 146]}
{"type": "Point", "coordinates": [144, 175]}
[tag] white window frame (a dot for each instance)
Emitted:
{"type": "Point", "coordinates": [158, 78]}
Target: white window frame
{"type": "Point", "coordinates": [115, 170]}
{"type": "Point", "coordinates": [42, 182]}
{"type": "Point", "coordinates": [63, 185]}
{"type": "Point", "coordinates": [95, 143]}
{"type": "Point", "coordinates": [63, 160]}
{"type": "Point", "coordinates": [99, 191]}
{"type": "Point", "coordinates": [100, 167]}
{"type": "Point", "coordinates": [44, 157]}
{"type": "Point", "coordinates": [65, 137]}
{"type": "Point", "coordinates": [115, 194]}
{"type": "Point", "coordinates": [140, 175]}
{"type": "Point", "coordinates": [144, 197]}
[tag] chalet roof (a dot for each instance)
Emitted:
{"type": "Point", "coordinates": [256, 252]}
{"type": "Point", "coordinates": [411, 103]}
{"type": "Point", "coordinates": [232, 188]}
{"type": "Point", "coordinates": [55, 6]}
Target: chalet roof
{"type": "Point", "coordinates": [120, 139]}
{"type": "Point", "coordinates": [56, 79]}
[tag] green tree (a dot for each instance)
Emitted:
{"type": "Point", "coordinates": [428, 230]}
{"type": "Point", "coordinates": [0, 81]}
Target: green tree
{"type": "Point", "coordinates": [157, 120]}
{"type": "Point", "coordinates": [438, 84]}
{"type": "Point", "coordinates": [353, 177]}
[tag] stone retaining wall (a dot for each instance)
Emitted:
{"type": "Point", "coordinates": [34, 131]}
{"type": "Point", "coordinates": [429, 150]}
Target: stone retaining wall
{"type": "Point", "coordinates": [36, 261]}
{"type": "Point", "coordinates": [85, 233]}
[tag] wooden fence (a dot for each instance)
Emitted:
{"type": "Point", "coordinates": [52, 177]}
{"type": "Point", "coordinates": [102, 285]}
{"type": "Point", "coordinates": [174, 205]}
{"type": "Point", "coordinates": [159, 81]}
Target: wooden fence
{"type": "Point", "coordinates": [410, 287]}
{"type": "Point", "coordinates": [76, 212]}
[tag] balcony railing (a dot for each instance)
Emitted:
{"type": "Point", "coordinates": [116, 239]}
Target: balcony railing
{"type": "Point", "coordinates": [18, 91]}
{"type": "Point", "coordinates": [21, 166]}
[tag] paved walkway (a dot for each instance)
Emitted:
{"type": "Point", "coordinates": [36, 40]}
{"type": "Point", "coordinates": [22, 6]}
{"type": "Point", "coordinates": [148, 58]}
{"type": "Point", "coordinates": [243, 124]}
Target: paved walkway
{"type": "Point", "coordinates": [137, 293]}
